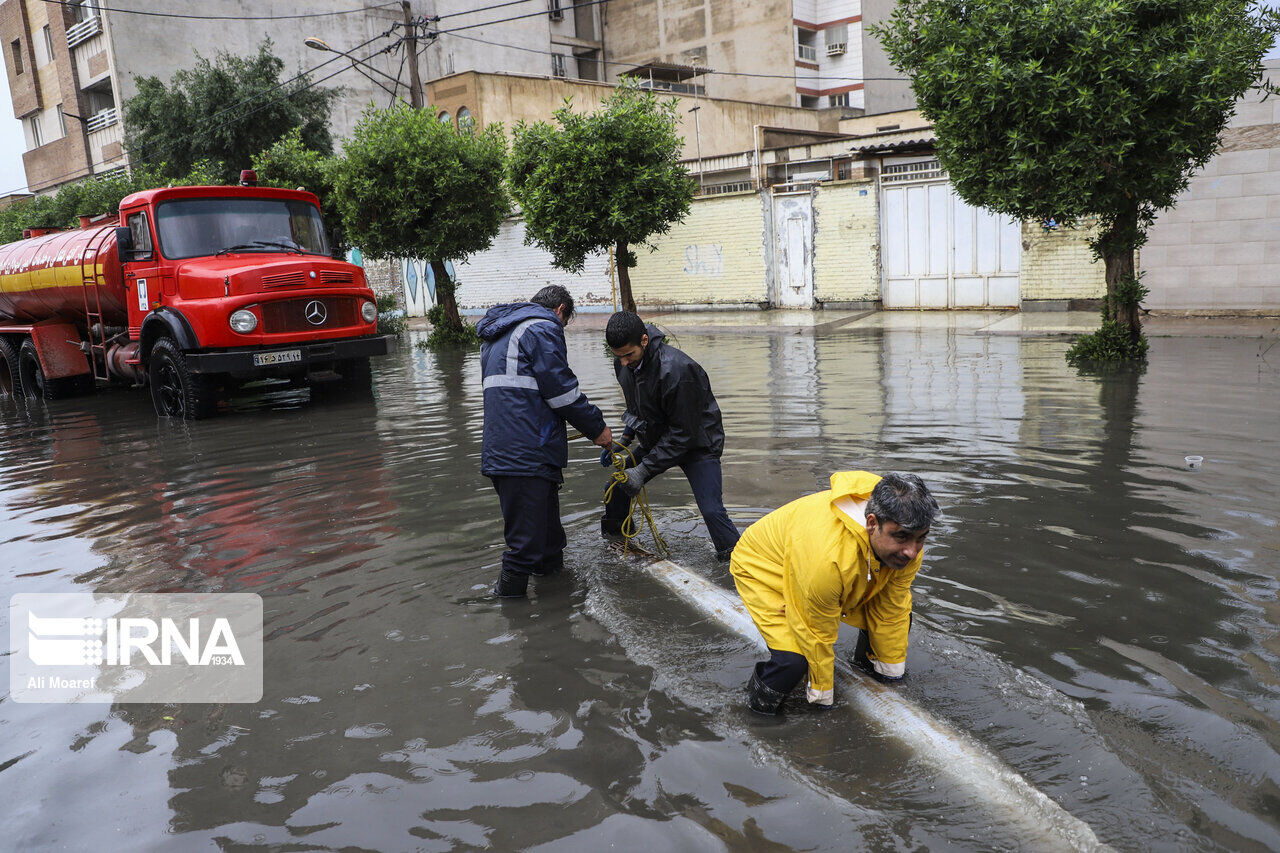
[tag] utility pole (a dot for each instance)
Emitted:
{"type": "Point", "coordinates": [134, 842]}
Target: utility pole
{"type": "Point", "coordinates": [411, 44]}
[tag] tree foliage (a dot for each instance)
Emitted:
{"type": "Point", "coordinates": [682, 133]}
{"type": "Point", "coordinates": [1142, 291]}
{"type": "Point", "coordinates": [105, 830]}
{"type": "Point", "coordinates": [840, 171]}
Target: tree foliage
{"type": "Point", "coordinates": [612, 178]}
{"type": "Point", "coordinates": [1070, 108]}
{"type": "Point", "coordinates": [224, 111]}
{"type": "Point", "coordinates": [410, 186]}
{"type": "Point", "coordinates": [290, 164]}
{"type": "Point", "coordinates": [92, 197]}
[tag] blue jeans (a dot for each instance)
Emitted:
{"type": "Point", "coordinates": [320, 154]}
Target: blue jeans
{"type": "Point", "coordinates": [703, 474]}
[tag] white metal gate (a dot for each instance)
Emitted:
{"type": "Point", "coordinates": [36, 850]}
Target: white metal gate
{"type": "Point", "coordinates": [793, 249]}
{"type": "Point", "coordinates": [939, 252]}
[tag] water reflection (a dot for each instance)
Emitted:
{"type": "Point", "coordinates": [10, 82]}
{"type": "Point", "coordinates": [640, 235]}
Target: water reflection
{"type": "Point", "coordinates": [1102, 618]}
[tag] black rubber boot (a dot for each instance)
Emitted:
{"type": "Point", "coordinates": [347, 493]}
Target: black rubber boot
{"type": "Point", "coordinates": [511, 585]}
{"type": "Point", "coordinates": [763, 699]}
{"type": "Point", "coordinates": [551, 565]}
{"type": "Point", "coordinates": [724, 556]}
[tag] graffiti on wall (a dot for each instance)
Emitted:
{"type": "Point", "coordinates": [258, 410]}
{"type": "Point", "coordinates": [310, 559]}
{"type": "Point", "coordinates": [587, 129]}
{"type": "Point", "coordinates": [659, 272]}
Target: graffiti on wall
{"type": "Point", "coordinates": [705, 259]}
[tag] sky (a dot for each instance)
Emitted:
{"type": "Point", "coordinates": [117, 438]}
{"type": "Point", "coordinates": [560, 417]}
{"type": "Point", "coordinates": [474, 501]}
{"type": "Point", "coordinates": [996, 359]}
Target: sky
{"type": "Point", "coordinates": [13, 177]}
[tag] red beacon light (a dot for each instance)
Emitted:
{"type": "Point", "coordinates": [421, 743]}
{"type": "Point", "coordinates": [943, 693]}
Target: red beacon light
{"type": "Point", "coordinates": [248, 178]}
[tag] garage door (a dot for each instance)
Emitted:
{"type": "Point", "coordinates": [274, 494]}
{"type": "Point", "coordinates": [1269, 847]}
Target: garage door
{"type": "Point", "coordinates": [939, 252]}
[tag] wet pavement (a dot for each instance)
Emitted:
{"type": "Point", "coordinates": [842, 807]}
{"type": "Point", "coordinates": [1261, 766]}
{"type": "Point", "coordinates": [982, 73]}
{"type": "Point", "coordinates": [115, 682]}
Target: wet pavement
{"type": "Point", "coordinates": [1098, 616]}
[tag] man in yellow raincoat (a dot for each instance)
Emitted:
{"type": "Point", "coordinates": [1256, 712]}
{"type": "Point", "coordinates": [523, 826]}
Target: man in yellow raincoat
{"type": "Point", "coordinates": [849, 555]}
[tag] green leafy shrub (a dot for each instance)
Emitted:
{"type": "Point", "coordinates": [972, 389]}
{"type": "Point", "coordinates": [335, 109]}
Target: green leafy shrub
{"type": "Point", "coordinates": [388, 323]}
{"type": "Point", "coordinates": [445, 335]}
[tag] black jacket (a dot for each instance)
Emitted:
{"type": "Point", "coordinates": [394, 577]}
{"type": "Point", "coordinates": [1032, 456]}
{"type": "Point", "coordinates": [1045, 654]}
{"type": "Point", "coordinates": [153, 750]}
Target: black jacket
{"type": "Point", "coordinates": [670, 406]}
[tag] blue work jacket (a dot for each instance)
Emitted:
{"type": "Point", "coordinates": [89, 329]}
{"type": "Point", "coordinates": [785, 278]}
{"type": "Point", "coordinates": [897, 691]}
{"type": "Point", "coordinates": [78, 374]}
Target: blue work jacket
{"type": "Point", "coordinates": [529, 393]}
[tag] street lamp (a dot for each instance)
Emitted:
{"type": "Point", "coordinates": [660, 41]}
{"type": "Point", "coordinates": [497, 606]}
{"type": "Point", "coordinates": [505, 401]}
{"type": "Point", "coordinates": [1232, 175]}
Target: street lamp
{"type": "Point", "coordinates": [356, 63]}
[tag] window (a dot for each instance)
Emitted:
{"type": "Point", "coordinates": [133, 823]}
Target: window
{"type": "Point", "coordinates": [141, 234]}
{"type": "Point", "coordinates": [840, 100]}
{"type": "Point", "coordinates": [84, 11]}
{"type": "Point", "coordinates": [195, 227]}
{"type": "Point", "coordinates": [806, 45]}
{"type": "Point", "coordinates": [555, 11]}
{"type": "Point", "coordinates": [809, 102]}
{"type": "Point", "coordinates": [37, 133]}
{"type": "Point", "coordinates": [48, 45]}
{"type": "Point", "coordinates": [15, 48]}
{"type": "Point", "coordinates": [62, 119]}
{"type": "Point", "coordinates": [444, 117]}
{"type": "Point", "coordinates": [465, 120]}
{"type": "Point", "coordinates": [558, 66]}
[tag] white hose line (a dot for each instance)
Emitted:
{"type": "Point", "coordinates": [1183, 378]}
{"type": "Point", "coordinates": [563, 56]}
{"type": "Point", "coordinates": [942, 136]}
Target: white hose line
{"type": "Point", "coordinates": [954, 755]}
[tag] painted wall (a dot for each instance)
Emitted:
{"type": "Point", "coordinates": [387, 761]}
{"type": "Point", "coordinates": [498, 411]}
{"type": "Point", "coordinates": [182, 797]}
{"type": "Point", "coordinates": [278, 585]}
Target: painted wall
{"type": "Point", "coordinates": [1057, 265]}
{"type": "Point", "coordinates": [846, 242]}
{"type": "Point", "coordinates": [1218, 249]}
{"type": "Point", "coordinates": [715, 257]}
{"type": "Point", "coordinates": [510, 271]}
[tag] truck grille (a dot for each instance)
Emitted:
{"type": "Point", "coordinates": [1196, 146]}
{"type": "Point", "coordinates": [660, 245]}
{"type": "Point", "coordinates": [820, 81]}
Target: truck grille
{"type": "Point", "coordinates": [336, 277]}
{"type": "Point", "coordinates": [290, 315]}
{"type": "Point", "coordinates": [288, 279]}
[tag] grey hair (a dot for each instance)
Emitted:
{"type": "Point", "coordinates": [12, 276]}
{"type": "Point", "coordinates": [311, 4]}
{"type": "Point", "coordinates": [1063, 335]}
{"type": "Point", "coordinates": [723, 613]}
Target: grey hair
{"type": "Point", "coordinates": [903, 499]}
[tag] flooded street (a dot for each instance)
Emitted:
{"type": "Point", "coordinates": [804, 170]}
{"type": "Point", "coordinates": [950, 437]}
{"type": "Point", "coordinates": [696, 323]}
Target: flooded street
{"type": "Point", "coordinates": [1096, 615]}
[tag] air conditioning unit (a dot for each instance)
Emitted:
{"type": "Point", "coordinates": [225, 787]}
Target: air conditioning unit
{"type": "Point", "coordinates": [835, 48]}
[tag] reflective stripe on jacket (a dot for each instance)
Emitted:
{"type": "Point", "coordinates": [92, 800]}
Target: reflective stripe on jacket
{"type": "Point", "coordinates": [529, 393]}
{"type": "Point", "coordinates": [808, 565]}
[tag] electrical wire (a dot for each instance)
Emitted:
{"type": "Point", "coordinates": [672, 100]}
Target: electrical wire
{"type": "Point", "coordinates": [481, 9]}
{"type": "Point", "coordinates": [517, 17]}
{"type": "Point", "coordinates": [704, 71]}
{"type": "Point", "coordinates": [114, 9]}
{"type": "Point", "coordinates": [207, 122]}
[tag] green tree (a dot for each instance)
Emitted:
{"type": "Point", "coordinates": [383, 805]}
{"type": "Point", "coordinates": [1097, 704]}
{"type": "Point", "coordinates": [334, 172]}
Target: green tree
{"type": "Point", "coordinates": [290, 164]}
{"type": "Point", "coordinates": [410, 186]}
{"type": "Point", "coordinates": [1064, 109]}
{"type": "Point", "coordinates": [612, 178]}
{"type": "Point", "coordinates": [94, 196]}
{"type": "Point", "coordinates": [224, 111]}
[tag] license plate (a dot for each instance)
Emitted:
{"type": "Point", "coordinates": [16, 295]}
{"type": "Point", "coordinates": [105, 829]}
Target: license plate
{"type": "Point", "coordinates": [287, 356]}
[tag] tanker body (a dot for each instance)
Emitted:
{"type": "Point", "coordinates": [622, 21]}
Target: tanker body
{"type": "Point", "coordinates": [191, 290]}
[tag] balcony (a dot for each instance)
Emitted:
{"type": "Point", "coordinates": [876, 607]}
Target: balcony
{"type": "Point", "coordinates": [83, 31]}
{"type": "Point", "coordinates": [103, 119]}
{"type": "Point", "coordinates": [806, 53]}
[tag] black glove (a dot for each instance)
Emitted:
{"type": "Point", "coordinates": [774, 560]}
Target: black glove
{"type": "Point", "coordinates": [634, 482]}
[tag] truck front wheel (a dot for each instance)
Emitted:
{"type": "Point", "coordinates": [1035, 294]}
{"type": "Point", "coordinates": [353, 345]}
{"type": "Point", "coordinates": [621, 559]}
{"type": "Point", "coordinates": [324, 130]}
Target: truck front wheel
{"type": "Point", "coordinates": [10, 378]}
{"type": "Point", "coordinates": [176, 392]}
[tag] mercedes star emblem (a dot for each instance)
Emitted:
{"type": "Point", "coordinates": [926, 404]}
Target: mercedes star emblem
{"type": "Point", "coordinates": [316, 313]}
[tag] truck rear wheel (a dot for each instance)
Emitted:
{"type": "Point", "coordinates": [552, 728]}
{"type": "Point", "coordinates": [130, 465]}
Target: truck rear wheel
{"type": "Point", "coordinates": [33, 382]}
{"type": "Point", "coordinates": [10, 379]}
{"type": "Point", "coordinates": [176, 392]}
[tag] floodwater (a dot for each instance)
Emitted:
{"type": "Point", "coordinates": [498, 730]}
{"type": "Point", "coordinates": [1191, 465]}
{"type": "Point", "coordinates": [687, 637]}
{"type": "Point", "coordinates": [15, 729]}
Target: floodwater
{"type": "Point", "coordinates": [1098, 616]}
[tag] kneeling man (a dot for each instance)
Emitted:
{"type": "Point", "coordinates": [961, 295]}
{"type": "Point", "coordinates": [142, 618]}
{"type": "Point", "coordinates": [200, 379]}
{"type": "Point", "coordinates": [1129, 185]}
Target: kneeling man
{"type": "Point", "coordinates": [849, 555]}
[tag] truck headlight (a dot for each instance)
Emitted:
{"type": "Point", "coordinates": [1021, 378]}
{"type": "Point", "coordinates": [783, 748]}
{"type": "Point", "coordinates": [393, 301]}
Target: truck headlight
{"type": "Point", "coordinates": [243, 321]}
{"type": "Point", "coordinates": [369, 312]}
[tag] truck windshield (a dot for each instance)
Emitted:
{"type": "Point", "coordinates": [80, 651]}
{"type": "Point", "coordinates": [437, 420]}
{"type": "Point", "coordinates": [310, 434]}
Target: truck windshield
{"type": "Point", "coordinates": [193, 227]}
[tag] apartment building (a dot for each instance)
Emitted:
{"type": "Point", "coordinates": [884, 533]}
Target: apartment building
{"type": "Point", "coordinates": [72, 65]}
{"type": "Point", "coordinates": [815, 54]}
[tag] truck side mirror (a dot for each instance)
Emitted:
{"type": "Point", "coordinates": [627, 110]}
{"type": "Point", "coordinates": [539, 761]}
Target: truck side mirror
{"type": "Point", "coordinates": [124, 243]}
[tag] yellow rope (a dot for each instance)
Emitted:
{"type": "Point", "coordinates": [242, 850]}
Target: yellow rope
{"type": "Point", "coordinates": [630, 528]}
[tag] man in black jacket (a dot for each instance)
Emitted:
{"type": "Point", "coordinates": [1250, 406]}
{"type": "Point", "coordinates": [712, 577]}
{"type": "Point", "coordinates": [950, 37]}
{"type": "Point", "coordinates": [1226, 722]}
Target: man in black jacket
{"type": "Point", "coordinates": [673, 420]}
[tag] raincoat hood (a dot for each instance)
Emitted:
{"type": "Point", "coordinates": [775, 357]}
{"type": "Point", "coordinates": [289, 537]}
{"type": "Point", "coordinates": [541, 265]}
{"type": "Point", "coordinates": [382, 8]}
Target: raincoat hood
{"type": "Point", "coordinates": [850, 491]}
{"type": "Point", "coordinates": [656, 338]}
{"type": "Point", "coordinates": [500, 319]}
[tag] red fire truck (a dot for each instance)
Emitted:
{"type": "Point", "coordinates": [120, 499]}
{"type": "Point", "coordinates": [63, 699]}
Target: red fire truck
{"type": "Point", "coordinates": [189, 291]}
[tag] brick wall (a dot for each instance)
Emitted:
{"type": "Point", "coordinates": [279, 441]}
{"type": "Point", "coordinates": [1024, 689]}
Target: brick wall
{"type": "Point", "coordinates": [1058, 265]}
{"type": "Point", "coordinates": [510, 271]}
{"type": "Point", "coordinates": [846, 243]}
{"type": "Point", "coordinates": [715, 257]}
{"type": "Point", "coordinates": [384, 278]}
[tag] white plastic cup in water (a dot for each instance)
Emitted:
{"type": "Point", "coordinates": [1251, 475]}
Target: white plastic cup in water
{"type": "Point", "coordinates": [1194, 462]}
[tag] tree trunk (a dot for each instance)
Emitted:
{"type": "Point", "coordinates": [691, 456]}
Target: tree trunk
{"type": "Point", "coordinates": [624, 277]}
{"type": "Point", "coordinates": [1117, 245]}
{"type": "Point", "coordinates": [444, 295]}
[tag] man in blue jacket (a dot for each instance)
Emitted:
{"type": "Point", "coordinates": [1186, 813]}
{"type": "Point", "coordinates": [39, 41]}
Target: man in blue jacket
{"type": "Point", "coordinates": [529, 393]}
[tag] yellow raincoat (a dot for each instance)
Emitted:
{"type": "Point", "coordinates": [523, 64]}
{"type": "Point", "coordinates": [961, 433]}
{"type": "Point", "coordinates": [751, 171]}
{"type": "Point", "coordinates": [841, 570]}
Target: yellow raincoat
{"type": "Point", "coordinates": [808, 565]}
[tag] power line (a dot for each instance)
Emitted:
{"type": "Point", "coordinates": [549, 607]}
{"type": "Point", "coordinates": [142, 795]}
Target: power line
{"type": "Point", "coordinates": [207, 122]}
{"type": "Point", "coordinates": [704, 71]}
{"type": "Point", "coordinates": [515, 17]}
{"type": "Point", "coordinates": [481, 9]}
{"type": "Point", "coordinates": [114, 9]}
